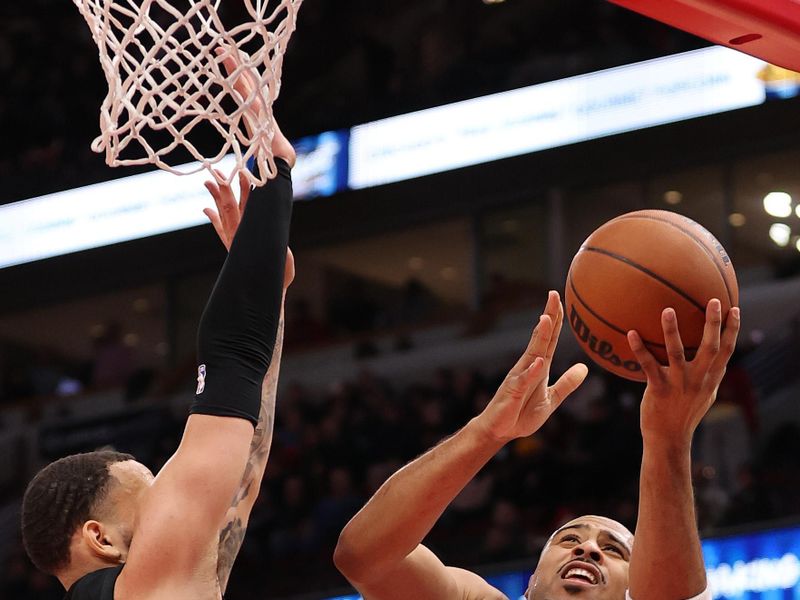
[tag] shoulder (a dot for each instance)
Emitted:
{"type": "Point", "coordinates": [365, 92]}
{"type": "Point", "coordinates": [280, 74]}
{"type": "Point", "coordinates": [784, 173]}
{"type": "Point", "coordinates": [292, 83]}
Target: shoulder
{"type": "Point", "coordinates": [98, 585]}
{"type": "Point", "coordinates": [473, 587]}
{"type": "Point", "coordinates": [422, 576]}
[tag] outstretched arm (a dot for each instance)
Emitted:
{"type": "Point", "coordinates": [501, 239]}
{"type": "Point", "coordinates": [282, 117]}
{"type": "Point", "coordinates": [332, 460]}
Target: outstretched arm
{"type": "Point", "coordinates": [186, 506]}
{"type": "Point", "coordinates": [188, 502]}
{"type": "Point", "coordinates": [676, 399]}
{"type": "Point", "coordinates": [380, 550]}
{"type": "Point", "coordinates": [226, 219]}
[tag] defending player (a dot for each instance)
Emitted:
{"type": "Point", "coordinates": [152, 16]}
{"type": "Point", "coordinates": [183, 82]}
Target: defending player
{"type": "Point", "coordinates": [99, 521]}
{"type": "Point", "coordinates": [380, 551]}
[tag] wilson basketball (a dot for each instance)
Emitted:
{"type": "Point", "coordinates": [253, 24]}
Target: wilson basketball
{"type": "Point", "coordinates": [632, 268]}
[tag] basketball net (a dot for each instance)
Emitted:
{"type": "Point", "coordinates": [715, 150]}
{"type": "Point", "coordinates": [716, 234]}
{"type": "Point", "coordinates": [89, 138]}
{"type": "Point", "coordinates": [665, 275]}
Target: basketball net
{"type": "Point", "coordinates": [166, 79]}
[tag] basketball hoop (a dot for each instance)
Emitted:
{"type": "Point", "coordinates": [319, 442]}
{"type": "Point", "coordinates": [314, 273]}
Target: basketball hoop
{"type": "Point", "coordinates": [166, 80]}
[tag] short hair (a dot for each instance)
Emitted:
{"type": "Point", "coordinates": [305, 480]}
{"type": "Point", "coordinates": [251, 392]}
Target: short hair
{"type": "Point", "coordinates": [61, 498]}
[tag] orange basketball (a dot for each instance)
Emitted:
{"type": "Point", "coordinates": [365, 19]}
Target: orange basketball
{"type": "Point", "coordinates": [632, 268]}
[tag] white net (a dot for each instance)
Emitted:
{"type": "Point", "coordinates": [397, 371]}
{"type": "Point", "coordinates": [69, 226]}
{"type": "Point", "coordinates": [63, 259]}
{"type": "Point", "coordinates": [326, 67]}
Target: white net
{"type": "Point", "coordinates": [170, 99]}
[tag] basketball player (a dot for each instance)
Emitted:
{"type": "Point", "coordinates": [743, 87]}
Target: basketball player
{"type": "Point", "coordinates": [380, 551]}
{"type": "Point", "coordinates": [100, 522]}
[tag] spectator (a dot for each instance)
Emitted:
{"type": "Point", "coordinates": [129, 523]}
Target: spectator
{"type": "Point", "coordinates": [113, 361]}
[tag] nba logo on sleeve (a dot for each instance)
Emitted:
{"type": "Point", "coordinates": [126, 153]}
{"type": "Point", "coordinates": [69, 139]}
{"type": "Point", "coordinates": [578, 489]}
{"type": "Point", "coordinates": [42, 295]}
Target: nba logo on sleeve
{"type": "Point", "coordinates": [201, 379]}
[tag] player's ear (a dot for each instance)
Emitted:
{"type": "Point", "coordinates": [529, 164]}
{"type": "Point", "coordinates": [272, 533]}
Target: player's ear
{"type": "Point", "coordinates": [99, 541]}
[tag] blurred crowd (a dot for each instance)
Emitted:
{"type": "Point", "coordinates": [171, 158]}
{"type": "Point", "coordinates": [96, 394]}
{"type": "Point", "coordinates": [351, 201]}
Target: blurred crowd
{"type": "Point", "coordinates": [332, 450]}
{"type": "Point", "coordinates": [353, 312]}
{"type": "Point", "coordinates": [36, 376]}
{"type": "Point", "coordinates": [349, 62]}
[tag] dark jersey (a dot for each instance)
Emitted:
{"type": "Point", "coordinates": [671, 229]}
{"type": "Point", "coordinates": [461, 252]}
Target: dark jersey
{"type": "Point", "coordinates": [98, 585]}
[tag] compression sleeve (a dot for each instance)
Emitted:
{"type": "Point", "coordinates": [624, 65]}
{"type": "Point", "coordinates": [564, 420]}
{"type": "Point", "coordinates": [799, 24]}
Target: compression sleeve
{"type": "Point", "coordinates": [239, 325]}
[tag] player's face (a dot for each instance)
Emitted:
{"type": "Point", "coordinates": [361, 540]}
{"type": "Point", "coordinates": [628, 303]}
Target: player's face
{"type": "Point", "coordinates": [132, 479]}
{"type": "Point", "coordinates": [587, 558]}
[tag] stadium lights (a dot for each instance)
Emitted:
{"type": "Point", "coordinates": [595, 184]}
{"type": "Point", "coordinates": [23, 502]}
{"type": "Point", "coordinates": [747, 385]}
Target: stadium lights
{"type": "Point", "coordinates": [780, 233]}
{"type": "Point", "coordinates": [778, 204]}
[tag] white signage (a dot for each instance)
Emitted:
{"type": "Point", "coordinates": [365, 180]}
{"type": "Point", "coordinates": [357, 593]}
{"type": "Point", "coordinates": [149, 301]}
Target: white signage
{"type": "Point", "coordinates": [554, 114]}
{"type": "Point", "coordinates": [104, 213]}
{"type": "Point", "coordinates": [447, 137]}
{"type": "Point", "coordinates": [759, 575]}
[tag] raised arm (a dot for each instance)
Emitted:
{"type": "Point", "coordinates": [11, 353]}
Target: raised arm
{"type": "Point", "coordinates": [183, 512]}
{"type": "Point", "coordinates": [226, 219]}
{"type": "Point", "coordinates": [181, 516]}
{"type": "Point", "coordinates": [676, 399]}
{"type": "Point", "coordinates": [380, 550]}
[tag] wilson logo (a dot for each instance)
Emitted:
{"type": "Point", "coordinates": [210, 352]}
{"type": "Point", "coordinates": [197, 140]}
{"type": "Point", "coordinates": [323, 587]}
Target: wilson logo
{"type": "Point", "coordinates": [602, 349]}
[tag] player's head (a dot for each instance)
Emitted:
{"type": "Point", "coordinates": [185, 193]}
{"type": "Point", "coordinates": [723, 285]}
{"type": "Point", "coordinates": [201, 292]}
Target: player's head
{"type": "Point", "coordinates": [586, 558]}
{"type": "Point", "coordinates": [79, 511]}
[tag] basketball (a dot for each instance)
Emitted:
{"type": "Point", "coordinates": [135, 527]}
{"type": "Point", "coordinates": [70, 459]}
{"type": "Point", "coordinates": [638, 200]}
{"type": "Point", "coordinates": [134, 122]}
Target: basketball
{"type": "Point", "coordinates": [633, 267]}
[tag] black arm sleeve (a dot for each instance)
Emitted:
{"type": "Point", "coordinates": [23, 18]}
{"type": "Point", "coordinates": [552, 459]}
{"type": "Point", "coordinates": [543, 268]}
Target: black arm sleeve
{"type": "Point", "coordinates": [240, 322]}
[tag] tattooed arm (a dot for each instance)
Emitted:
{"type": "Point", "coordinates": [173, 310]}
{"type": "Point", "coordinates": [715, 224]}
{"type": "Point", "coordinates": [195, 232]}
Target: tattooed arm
{"type": "Point", "coordinates": [232, 534]}
{"type": "Point", "coordinates": [225, 220]}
